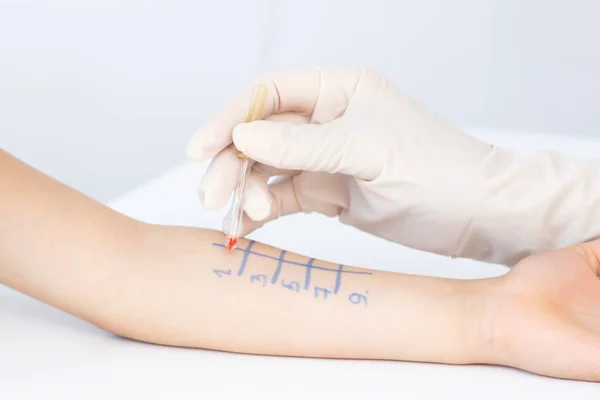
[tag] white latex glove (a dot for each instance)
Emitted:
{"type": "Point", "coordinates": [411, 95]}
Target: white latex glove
{"type": "Point", "coordinates": [353, 146]}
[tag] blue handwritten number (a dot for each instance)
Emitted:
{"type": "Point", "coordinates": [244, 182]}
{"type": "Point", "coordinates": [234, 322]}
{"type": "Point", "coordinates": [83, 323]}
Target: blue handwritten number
{"type": "Point", "coordinates": [221, 272]}
{"type": "Point", "coordinates": [293, 285]}
{"type": "Point", "coordinates": [323, 291]}
{"type": "Point", "coordinates": [260, 278]}
{"type": "Point", "coordinates": [357, 298]}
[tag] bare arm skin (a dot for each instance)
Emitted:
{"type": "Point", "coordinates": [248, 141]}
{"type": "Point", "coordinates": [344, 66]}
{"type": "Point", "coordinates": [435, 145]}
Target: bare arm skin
{"type": "Point", "coordinates": [174, 286]}
{"type": "Point", "coordinates": [177, 286]}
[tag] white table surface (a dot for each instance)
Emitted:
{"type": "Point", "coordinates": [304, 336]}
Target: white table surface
{"type": "Point", "coordinates": [45, 353]}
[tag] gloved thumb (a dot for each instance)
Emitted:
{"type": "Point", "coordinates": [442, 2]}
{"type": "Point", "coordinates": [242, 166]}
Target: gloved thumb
{"type": "Point", "coordinates": [326, 147]}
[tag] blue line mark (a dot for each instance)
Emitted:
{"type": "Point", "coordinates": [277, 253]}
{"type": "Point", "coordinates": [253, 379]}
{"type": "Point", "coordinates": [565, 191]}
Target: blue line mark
{"type": "Point", "coordinates": [309, 266]}
{"type": "Point", "coordinates": [338, 278]}
{"type": "Point", "coordinates": [221, 272]}
{"type": "Point", "coordinates": [278, 269]}
{"type": "Point", "coordinates": [247, 252]}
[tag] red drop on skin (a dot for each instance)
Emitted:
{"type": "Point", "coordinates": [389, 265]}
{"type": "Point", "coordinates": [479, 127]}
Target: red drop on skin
{"type": "Point", "coordinates": [231, 242]}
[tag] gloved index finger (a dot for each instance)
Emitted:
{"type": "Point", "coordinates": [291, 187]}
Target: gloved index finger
{"type": "Point", "coordinates": [288, 91]}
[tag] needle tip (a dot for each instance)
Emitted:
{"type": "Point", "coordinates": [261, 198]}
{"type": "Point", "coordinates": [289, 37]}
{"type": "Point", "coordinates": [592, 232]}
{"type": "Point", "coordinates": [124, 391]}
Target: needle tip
{"type": "Point", "coordinates": [231, 242]}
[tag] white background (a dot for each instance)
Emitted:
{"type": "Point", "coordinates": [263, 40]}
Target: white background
{"type": "Point", "coordinates": [103, 95]}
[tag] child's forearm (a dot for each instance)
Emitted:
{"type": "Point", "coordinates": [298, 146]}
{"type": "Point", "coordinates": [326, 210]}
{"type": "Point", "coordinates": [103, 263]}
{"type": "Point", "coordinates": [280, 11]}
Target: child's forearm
{"type": "Point", "coordinates": [184, 289]}
{"type": "Point", "coordinates": [178, 286]}
{"type": "Point", "coordinates": [187, 290]}
{"type": "Point", "coordinates": [56, 244]}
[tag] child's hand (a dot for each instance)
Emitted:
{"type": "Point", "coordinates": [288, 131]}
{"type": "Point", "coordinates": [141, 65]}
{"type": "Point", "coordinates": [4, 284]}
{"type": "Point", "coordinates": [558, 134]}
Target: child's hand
{"type": "Point", "coordinates": [546, 316]}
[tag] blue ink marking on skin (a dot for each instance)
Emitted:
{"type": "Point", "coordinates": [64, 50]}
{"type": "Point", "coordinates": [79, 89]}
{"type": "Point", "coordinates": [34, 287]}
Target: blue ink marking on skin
{"type": "Point", "coordinates": [338, 278]}
{"type": "Point", "coordinates": [260, 278]}
{"type": "Point", "coordinates": [247, 252]}
{"type": "Point", "coordinates": [293, 285]}
{"type": "Point", "coordinates": [357, 298]}
{"type": "Point", "coordinates": [221, 272]}
{"type": "Point", "coordinates": [278, 269]}
{"type": "Point", "coordinates": [309, 266]}
{"type": "Point", "coordinates": [322, 290]}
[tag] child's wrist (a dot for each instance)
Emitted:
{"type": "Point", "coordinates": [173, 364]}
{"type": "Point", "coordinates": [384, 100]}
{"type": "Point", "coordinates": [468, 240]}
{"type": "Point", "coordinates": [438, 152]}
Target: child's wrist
{"type": "Point", "coordinates": [480, 328]}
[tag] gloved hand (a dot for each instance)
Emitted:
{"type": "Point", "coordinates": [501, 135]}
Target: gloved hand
{"type": "Point", "coordinates": [352, 145]}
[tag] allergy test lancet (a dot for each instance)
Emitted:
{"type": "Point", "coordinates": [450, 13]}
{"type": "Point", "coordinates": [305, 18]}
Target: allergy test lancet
{"type": "Point", "coordinates": [255, 113]}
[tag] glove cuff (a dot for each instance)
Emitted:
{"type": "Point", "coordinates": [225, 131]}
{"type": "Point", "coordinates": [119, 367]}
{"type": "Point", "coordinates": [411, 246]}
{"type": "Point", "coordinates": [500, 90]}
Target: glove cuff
{"type": "Point", "coordinates": [530, 204]}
